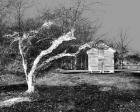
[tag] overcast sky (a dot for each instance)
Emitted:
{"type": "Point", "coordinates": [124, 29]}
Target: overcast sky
{"type": "Point", "coordinates": [114, 15]}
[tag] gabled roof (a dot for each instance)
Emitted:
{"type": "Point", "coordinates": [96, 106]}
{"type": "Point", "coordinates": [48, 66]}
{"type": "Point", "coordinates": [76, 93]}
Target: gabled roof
{"type": "Point", "coordinates": [100, 45]}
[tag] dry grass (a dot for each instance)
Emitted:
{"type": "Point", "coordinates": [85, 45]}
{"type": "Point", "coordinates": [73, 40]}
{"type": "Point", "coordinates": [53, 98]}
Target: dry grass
{"type": "Point", "coordinates": [58, 92]}
{"type": "Point", "coordinates": [111, 80]}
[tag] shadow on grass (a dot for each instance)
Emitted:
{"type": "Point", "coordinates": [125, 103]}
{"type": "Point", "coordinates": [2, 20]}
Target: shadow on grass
{"type": "Point", "coordinates": [9, 88]}
{"type": "Point", "coordinates": [82, 98]}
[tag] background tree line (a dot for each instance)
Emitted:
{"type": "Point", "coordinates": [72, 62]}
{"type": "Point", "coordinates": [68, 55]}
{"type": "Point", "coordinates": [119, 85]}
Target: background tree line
{"type": "Point", "coordinates": [66, 18]}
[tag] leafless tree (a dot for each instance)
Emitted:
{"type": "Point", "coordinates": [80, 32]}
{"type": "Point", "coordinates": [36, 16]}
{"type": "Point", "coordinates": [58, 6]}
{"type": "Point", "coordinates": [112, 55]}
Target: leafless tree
{"type": "Point", "coordinates": [122, 47]}
{"type": "Point", "coordinates": [19, 8]}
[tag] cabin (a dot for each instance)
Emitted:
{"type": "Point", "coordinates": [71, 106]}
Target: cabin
{"type": "Point", "coordinates": [99, 59]}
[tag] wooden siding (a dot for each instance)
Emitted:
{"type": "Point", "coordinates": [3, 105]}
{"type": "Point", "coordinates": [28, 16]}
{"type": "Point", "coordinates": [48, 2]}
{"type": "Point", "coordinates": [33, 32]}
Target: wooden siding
{"type": "Point", "coordinates": [92, 63]}
{"type": "Point", "coordinates": [101, 60]}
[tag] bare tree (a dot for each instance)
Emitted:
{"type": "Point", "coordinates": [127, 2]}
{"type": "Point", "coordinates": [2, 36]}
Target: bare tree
{"type": "Point", "coordinates": [122, 47]}
{"type": "Point", "coordinates": [37, 63]}
{"type": "Point", "coordinates": [19, 8]}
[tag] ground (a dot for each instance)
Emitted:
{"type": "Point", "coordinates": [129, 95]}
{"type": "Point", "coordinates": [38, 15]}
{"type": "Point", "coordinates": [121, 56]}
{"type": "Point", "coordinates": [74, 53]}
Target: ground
{"type": "Point", "coordinates": [82, 92]}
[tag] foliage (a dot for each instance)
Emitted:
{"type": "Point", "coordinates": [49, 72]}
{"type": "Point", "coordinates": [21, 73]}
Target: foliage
{"type": "Point", "coordinates": [134, 58]}
{"type": "Point", "coordinates": [15, 66]}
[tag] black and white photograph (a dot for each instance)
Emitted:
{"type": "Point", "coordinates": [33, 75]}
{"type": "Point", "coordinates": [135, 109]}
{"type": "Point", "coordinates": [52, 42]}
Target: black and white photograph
{"type": "Point", "coordinates": [69, 56]}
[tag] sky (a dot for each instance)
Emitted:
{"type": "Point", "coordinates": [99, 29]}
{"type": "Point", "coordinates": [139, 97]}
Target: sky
{"type": "Point", "coordinates": [115, 15]}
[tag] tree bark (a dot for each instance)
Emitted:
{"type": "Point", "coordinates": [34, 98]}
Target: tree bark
{"type": "Point", "coordinates": [29, 77]}
{"type": "Point", "coordinates": [24, 64]}
{"type": "Point", "coordinates": [30, 84]}
{"type": "Point", "coordinates": [31, 74]}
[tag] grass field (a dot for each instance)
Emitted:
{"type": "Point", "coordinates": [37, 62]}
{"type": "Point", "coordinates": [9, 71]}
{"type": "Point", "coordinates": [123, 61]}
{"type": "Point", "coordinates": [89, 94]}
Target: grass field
{"type": "Point", "coordinates": [78, 93]}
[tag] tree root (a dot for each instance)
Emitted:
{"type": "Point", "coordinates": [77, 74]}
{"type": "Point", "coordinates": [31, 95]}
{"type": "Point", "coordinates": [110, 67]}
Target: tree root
{"type": "Point", "coordinates": [12, 101]}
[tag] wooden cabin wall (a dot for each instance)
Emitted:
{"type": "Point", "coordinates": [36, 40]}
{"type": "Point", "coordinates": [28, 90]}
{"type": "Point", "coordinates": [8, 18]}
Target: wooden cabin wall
{"type": "Point", "coordinates": [109, 60]}
{"type": "Point", "coordinates": [100, 60]}
{"type": "Point", "coordinates": [93, 59]}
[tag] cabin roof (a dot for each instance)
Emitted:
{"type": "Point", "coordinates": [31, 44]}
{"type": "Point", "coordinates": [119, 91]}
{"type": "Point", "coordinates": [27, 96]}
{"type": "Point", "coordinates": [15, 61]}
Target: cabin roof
{"type": "Point", "coordinates": [98, 45]}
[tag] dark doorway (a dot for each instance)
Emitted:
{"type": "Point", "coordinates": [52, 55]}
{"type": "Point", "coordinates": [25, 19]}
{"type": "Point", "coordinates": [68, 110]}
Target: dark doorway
{"type": "Point", "coordinates": [82, 61]}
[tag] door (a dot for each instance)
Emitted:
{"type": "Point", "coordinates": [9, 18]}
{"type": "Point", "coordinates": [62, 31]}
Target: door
{"type": "Point", "coordinates": [101, 65]}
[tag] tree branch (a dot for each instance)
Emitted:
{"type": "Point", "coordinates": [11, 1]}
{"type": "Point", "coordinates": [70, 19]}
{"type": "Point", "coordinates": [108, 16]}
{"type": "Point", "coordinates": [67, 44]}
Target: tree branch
{"type": "Point", "coordinates": [67, 37]}
{"type": "Point", "coordinates": [64, 54]}
{"type": "Point", "coordinates": [55, 58]}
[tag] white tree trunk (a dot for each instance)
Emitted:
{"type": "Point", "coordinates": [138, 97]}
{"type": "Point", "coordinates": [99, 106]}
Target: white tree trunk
{"type": "Point", "coordinates": [24, 64]}
{"type": "Point", "coordinates": [30, 84]}
{"type": "Point", "coordinates": [31, 74]}
{"type": "Point", "coordinates": [29, 77]}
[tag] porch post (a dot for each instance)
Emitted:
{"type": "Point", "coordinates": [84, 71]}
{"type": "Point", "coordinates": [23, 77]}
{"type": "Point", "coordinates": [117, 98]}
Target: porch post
{"type": "Point", "coordinates": [75, 63]}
